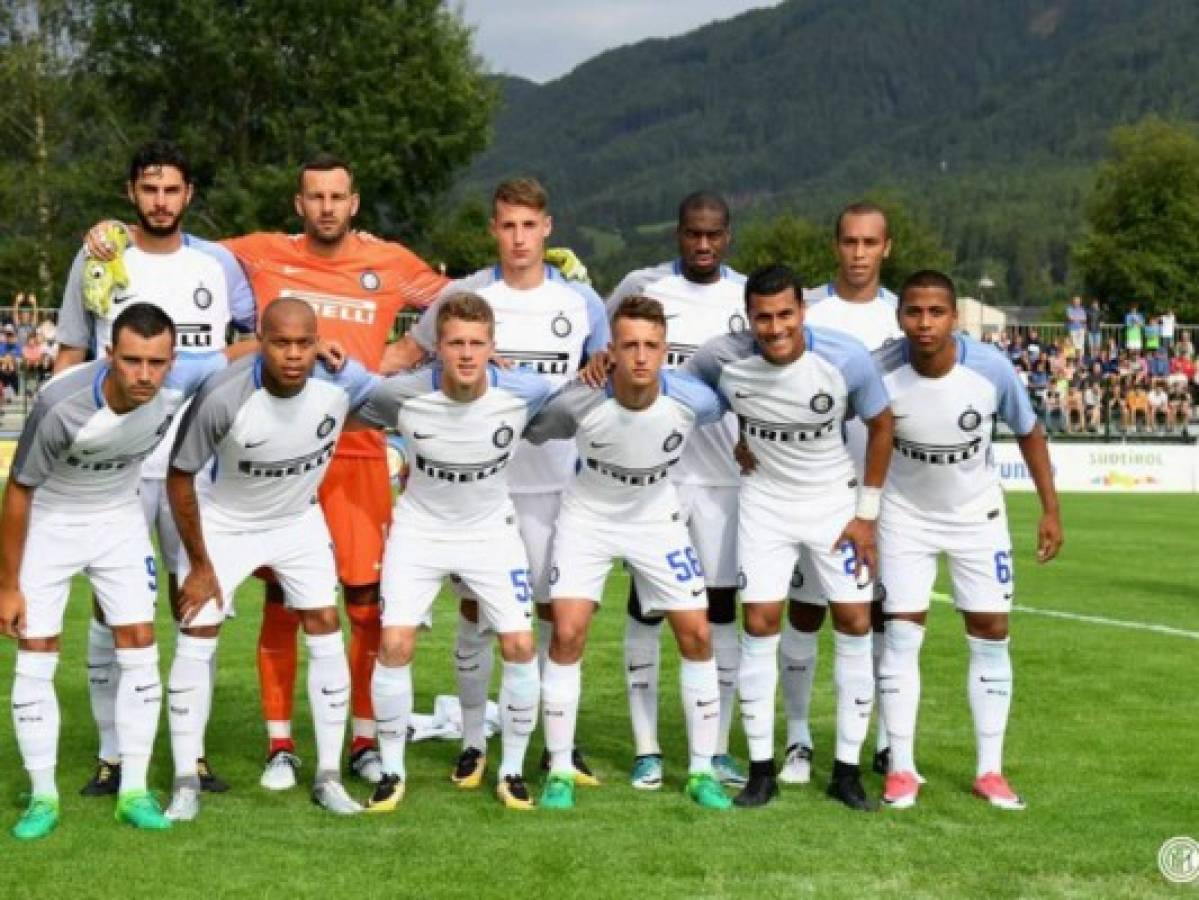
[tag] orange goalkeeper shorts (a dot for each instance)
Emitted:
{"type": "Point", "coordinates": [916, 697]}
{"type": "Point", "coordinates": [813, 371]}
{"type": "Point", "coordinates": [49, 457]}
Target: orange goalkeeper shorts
{"type": "Point", "coordinates": [356, 498]}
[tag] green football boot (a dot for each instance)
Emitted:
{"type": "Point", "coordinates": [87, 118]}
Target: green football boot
{"type": "Point", "coordinates": [141, 810]}
{"type": "Point", "coordinates": [38, 820]}
{"type": "Point", "coordinates": [705, 790]}
{"type": "Point", "coordinates": [559, 792]}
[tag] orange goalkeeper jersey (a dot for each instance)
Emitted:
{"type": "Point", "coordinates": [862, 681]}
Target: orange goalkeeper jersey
{"type": "Point", "coordinates": [356, 295]}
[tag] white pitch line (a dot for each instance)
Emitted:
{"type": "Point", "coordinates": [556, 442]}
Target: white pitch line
{"type": "Point", "coordinates": [1096, 620]}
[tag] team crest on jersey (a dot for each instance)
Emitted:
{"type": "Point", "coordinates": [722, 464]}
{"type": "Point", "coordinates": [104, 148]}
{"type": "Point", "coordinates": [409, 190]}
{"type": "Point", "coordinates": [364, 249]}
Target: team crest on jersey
{"type": "Point", "coordinates": [503, 436]}
{"type": "Point", "coordinates": [369, 280]}
{"type": "Point", "coordinates": [561, 326]}
{"type": "Point", "coordinates": [327, 425]}
{"type": "Point", "coordinates": [202, 297]}
{"type": "Point", "coordinates": [737, 323]}
{"type": "Point", "coordinates": [672, 442]}
{"type": "Point", "coordinates": [970, 420]}
{"type": "Point", "coordinates": [821, 403]}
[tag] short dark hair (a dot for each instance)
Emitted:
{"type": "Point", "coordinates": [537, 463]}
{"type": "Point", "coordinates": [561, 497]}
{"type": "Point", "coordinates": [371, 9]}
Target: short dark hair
{"type": "Point", "coordinates": [862, 208]}
{"type": "Point", "coordinates": [143, 319]}
{"type": "Point", "coordinates": [639, 306]}
{"type": "Point", "coordinates": [704, 200]}
{"type": "Point", "coordinates": [323, 162]}
{"type": "Point", "coordinates": [523, 191]}
{"type": "Point", "coordinates": [929, 278]}
{"type": "Point", "coordinates": [159, 153]}
{"type": "Point", "coordinates": [771, 279]}
{"type": "Point", "coordinates": [465, 307]}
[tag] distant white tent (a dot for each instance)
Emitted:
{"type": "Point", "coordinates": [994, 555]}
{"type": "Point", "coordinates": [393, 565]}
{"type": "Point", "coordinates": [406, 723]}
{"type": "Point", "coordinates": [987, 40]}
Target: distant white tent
{"type": "Point", "coordinates": [978, 318]}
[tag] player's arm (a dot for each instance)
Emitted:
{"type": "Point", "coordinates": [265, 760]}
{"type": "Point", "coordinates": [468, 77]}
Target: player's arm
{"type": "Point", "coordinates": [379, 406]}
{"type": "Point", "coordinates": [74, 322]}
{"type": "Point", "coordinates": [1035, 450]}
{"type": "Point", "coordinates": [707, 405]}
{"type": "Point", "coordinates": [559, 415]}
{"type": "Point", "coordinates": [14, 526]}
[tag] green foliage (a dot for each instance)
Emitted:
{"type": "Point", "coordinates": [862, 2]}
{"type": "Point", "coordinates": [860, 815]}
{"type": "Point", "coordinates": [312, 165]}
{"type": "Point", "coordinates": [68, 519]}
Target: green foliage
{"type": "Point", "coordinates": [1143, 245]}
{"type": "Point", "coordinates": [460, 240]}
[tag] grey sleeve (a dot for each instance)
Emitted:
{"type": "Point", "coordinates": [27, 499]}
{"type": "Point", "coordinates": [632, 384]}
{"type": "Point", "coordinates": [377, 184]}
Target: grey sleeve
{"type": "Point", "coordinates": [43, 439]}
{"type": "Point", "coordinates": [209, 419]}
{"type": "Point", "coordinates": [75, 324]}
{"type": "Point", "coordinates": [559, 417]}
{"type": "Point", "coordinates": [424, 332]}
{"type": "Point", "coordinates": [632, 283]}
{"type": "Point", "coordinates": [383, 404]}
{"type": "Point", "coordinates": [707, 362]}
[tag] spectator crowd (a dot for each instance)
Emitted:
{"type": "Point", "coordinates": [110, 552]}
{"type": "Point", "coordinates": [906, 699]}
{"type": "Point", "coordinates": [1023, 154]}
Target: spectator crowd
{"type": "Point", "coordinates": [28, 342]}
{"type": "Point", "coordinates": [1136, 378]}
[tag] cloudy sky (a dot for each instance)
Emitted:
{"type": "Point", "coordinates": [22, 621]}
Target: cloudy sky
{"type": "Point", "coordinates": [543, 39]}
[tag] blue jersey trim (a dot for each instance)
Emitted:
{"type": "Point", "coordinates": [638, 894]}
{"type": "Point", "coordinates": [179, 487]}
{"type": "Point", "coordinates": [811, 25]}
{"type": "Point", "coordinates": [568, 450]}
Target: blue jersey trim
{"type": "Point", "coordinates": [97, 392]}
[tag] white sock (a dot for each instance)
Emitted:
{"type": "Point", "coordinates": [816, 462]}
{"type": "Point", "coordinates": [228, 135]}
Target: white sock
{"type": "Point", "coordinates": [561, 687]}
{"type": "Point", "coordinates": [139, 701]}
{"type": "Point", "coordinates": [700, 689]}
{"type": "Point", "coordinates": [545, 634]}
{"type": "Point", "coordinates": [798, 651]}
{"type": "Point", "coordinates": [189, 698]}
{"type": "Point", "coordinates": [520, 693]}
{"type": "Point", "coordinates": [211, 694]}
{"type": "Point", "coordinates": [642, 659]}
{"type": "Point", "coordinates": [877, 641]}
{"type": "Point", "coordinates": [362, 728]}
{"type": "Point", "coordinates": [391, 694]}
{"type": "Point", "coordinates": [757, 682]}
{"type": "Point", "coordinates": [726, 648]}
{"type": "Point", "coordinates": [35, 718]}
{"type": "Point", "coordinates": [853, 674]}
{"type": "Point", "coordinates": [989, 687]}
{"type": "Point", "coordinates": [329, 696]}
{"type": "Point", "coordinates": [102, 678]}
{"type": "Point", "coordinates": [474, 655]}
{"type": "Point", "coordinates": [899, 690]}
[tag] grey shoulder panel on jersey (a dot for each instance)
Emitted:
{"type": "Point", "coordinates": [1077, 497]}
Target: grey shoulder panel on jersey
{"type": "Point", "coordinates": [1014, 407]}
{"type": "Point", "coordinates": [75, 324]}
{"type": "Point", "coordinates": [636, 282]}
{"type": "Point", "coordinates": [560, 416]}
{"type": "Point", "coordinates": [63, 407]}
{"type": "Point", "coordinates": [212, 412]}
{"type": "Point", "coordinates": [712, 356]}
{"type": "Point", "coordinates": [892, 355]}
{"type": "Point", "coordinates": [424, 332]}
{"type": "Point", "coordinates": [382, 406]}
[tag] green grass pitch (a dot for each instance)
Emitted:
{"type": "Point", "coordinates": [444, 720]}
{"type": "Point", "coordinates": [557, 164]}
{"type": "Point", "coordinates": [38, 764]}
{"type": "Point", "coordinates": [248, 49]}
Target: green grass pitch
{"type": "Point", "coordinates": [1102, 743]}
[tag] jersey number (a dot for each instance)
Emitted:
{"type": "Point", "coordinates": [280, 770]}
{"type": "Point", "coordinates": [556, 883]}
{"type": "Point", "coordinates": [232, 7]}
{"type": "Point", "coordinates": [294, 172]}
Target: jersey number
{"type": "Point", "coordinates": [685, 564]}
{"type": "Point", "coordinates": [152, 571]}
{"type": "Point", "coordinates": [522, 583]}
{"type": "Point", "coordinates": [851, 558]}
{"type": "Point", "coordinates": [1003, 566]}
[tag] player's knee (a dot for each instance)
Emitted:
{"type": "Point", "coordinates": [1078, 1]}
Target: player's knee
{"type": "Point", "coordinates": [695, 642]}
{"type": "Point", "coordinates": [320, 621]}
{"type": "Point", "coordinates": [722, 606]}
{"type": "Point", "coordinates": [852, 619]}
{"type": "Point", "coordinates": [518, 647]}
{"type": "Point", "coordinates": [568, 641]}
{"type": "Point", "coordinates": [201, 631]}
{"type": "Point", "coordinates": [805, 616]}
{"type": "Point", "coordinates": [132, 637]}
{"type": "Point", "coordinates": [469, 610]}
{"type": "Point", "coordinates": [39, 645]}
{"type": "Point", "coordinates": [763, 619]}
{"type": "Point", "coordinates": [396, 649]}
{"type": "Point", "coordinates": [987, 626]}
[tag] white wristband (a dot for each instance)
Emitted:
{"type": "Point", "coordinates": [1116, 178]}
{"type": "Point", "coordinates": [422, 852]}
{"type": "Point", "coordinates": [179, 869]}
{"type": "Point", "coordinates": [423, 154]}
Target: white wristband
{"type": "Point", "coordinates": [869, 502]}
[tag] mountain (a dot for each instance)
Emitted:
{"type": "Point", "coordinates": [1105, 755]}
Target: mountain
{"type": "Point", "coordinates": [981, 114]}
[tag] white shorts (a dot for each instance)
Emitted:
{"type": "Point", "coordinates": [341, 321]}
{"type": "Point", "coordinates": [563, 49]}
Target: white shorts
{"type": "Point", "coordinates": [115, 554]}
{"type": "Point", "coordinates": [157, 510]}
{"type": "Point", "coordinates": [660, 558]}
{"type": "Point", "coordinates": [300, 553]}
{"type": "Point", "coordinates": [493, 568]}
{"type": "Point", "coordinates": [980, 562]}
{"type": "Point", "coordinates": [711, 516]}
{"type": "Point", "coordinates": [771, 536]}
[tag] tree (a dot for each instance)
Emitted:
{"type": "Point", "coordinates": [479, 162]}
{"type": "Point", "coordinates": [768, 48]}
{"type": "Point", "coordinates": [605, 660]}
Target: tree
{"type": "Point", "coordinates": [250, 88]}
{"type": "Point", "coordinates": [460, 240]}
{"type": "Point", "coordinates": [1143, 243]}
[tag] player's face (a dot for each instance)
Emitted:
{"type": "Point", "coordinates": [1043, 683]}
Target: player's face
{"type": "Point", "coordinates": [638, 350]}
{"type": "Point", "coordinates": [289, 351]}
{"type": "Point", "coordinates": [327, 203]}
{"type": "Point", "coordinates": [777, 324]}
{"type": "Point", "coordinates": [464, 349]}
{"type": "Point", "coordinates": [137, 366]}
{"type": "Point", "coordinates": [703, 242]}
{"type": "Point", "coordinates": [928, 318]}
{"type": "Point", "coordinates": [160, 196]}
{"type": "Point", "coordinates": [520, 232]}
{"type": "Point", "coordinates": [861, 248]}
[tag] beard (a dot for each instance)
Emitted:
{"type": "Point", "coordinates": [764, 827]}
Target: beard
{"type": "Point", "coordinates": [159, 231]}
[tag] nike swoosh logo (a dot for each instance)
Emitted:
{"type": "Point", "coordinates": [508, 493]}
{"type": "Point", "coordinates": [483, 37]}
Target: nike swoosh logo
{"type": "Point", "coordinates": [985, 680]}
{"type": "Point", "coordinates": [1008, 596]}
{"type": "Point", "coordinates": [741, 395]}
{"type": "Point", "coordinates": [250, 445]}
{"type": "Point", "coordinates": [421, 437]}
{"type": "Point", "coordinates": [698, 592]}
{"type": "Point", "coordinates": [861, 702]}
{"type": "Point", "coordinates": [140, 688]}
{"type": "Point", "coordinates": [520, 708]}
{"type": "Point", "coordinates": [638, 668]}
{"type": "Point", "coordinates": [707, 702]}
{"type": "Point", "coordinates": [173, 691]}
{"type": "Point", "coordinates": [458, 656]}
{"type": "Point", "coordinates": [600, 445]}
{"type": "Point", "coordinates": [25, 705]}
{"type": "Point", "coordinates": [330, 693]}
{"type": "Point", "coordinates": [389, 721]}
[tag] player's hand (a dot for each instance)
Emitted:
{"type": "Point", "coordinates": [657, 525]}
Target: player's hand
{"type": "Point", "coordinates": [99, 242]}
{"type": "Point", "coordinates": [502, 361]}
{"type": "Point", "coordinates": [12, 613]}
{"type": "Point", "coordinates": [595, 373]}
{"type": "Point", "coordinates": [197, 589]}
{"type": "Point", "coordinates": [568, 263]}
{"type": "Point", "coordinates": [745, 457]}
{"type": "Point", "coordinates": [860, 535]}
{"type": "Point", "coordinates": [368, 236]}
{"type": "Point", "coordinates": [400, 356]}
{"type": "Point", "coordinates": [331, 353]}
{"type": "Point", "coordinates": [1049, 537]}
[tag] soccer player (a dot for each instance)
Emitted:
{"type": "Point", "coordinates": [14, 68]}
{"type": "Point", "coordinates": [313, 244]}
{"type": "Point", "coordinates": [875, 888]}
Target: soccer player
{"type": "Point", "coordinates": [856, 303]}
{"type": "Point", "coordinates": [71, 506]}
{"type": "Point", "coordinates": [943, 496]}
{"type": "Point", "coordinates": [550, 326]}
{"type": "Point", "coordinates": [461, 419]}
{"type": "Point", "coordinates": [702, 298]}
{"type": "Point", "coordinates": [622, 504]}
{"type": "Point", "coordinates": [792, 386]}
{"type": "Point", "coordinates": [201, 287]}
{"type": "Point", "coordinates": [263, 433]}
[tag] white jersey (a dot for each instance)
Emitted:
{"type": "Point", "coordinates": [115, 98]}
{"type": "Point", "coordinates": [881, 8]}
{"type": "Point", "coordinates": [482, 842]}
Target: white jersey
{"type": "Point", "coordinates": [83, 458]}
{"type": "Point", "coordinates": [263, 457]}
{"type": "Point", "coordinates": [942, 465]}
{"type": "Point", "coordinates": [200, 286]}
{"type": "Point", "coordinates": [626, 455]}
{"type": "Point", "coordinates": [873, 322]}
{"type": "Point", "coordinates": [459, 452]}
{"type": "Point", "coordinates": [551, 330]}
{"type": "Point", "coordinates": [791, 415]}
{"type": "Point", "coordinates": [695, 313]}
